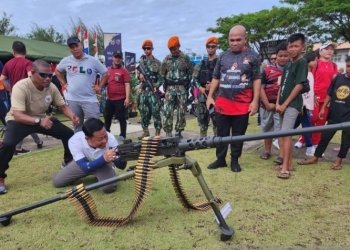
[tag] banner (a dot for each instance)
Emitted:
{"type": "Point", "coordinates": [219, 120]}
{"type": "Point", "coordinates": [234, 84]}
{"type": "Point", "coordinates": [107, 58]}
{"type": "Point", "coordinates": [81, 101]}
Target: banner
{"type": "Point", "coordinates": [86, 42]}
{"type": "Point", "coordinates": [130, 61]}
{"type": "Point", "coordinates": [112, 43]}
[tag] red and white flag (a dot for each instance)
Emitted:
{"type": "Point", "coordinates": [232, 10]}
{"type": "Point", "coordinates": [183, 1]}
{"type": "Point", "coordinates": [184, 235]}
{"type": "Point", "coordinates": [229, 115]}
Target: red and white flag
{"type": "Point", "coordinates": [78, 31]}
{"type": "Point", "coordinates": [86, 42]}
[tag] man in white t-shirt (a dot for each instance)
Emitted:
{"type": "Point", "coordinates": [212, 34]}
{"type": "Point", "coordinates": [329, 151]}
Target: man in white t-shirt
{"type": "Point", "coordinates": [80, 87]}
{"type": "Point", "coordinates": [94, 152]}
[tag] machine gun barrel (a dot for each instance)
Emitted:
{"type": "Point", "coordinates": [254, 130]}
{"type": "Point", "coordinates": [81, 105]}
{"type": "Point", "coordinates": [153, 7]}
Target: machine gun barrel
{"type": "Point", "coordinates": [170, 146]}
{"type": "Point", "coordinates": [212, 141]}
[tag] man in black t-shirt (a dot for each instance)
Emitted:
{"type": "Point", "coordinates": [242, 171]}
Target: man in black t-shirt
{"type": "Point", "coordinates": [338, 96]}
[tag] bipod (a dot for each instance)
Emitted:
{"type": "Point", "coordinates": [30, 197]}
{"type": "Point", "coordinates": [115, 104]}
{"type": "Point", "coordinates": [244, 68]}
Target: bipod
{"type": "Point", "coordinates": [174, 163]}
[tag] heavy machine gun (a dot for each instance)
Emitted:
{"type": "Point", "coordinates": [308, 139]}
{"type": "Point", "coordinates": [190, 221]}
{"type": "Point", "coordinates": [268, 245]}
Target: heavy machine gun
{"type": "Point", "coordinates": [173, 149]}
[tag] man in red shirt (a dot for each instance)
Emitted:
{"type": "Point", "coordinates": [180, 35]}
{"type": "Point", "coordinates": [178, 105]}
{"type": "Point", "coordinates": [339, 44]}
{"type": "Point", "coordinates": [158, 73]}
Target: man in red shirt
{"type": "Point", "coordinates": [118, 91]}
{"type": "Point", "coordinates": [18, 68]}
{"type": "Point", "coordinates": [238, 80]}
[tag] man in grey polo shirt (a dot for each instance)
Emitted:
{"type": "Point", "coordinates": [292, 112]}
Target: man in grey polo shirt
{"type": "Point", "coordinates": [79, 88]}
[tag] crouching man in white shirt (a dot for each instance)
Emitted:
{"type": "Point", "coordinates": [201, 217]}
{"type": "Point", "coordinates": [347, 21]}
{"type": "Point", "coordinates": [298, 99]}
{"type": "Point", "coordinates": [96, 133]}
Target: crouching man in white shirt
{"type": "Point", "coordinates": [94, 153]}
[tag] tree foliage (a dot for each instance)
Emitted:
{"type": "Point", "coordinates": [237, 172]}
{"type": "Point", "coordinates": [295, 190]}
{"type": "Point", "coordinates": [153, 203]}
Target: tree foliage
{"type": "Point", "coordinates": [46, 34]}
{"type": "Point", "coordinates": [265, 25]}
{"type": "Point", "coordinates": [331, 17]}
{"type": "Point", "coordinates": [6, 28]}
{"type": "Point", "coordinates": [319, 20]}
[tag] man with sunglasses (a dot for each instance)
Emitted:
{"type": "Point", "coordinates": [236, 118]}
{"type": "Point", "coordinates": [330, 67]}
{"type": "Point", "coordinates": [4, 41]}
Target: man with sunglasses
{"type": "Point", "coordinates": [16, 69]}
{"type": "Point", "coordinates": [80, 86]}
{"type": "Point", "coordinates": [177, 70]}
{"type": "Point", "coordinates": [31, 97]}
{"type": "Point", "coordinates": [148, 102]}
{"type": "Point", "coordinates": [273, 59]}
{"type": "Point", "coordinates": [202, 75]}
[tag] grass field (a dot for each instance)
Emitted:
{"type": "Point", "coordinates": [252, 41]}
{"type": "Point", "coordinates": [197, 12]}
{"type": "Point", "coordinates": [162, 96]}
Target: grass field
{"type": "Point", "coordinates": [311, 210]}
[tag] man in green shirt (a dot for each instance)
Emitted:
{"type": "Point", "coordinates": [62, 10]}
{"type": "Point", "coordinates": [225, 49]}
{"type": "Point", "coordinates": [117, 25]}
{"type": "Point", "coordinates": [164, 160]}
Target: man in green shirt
{"type": "Point", "coordinates": [289, 101]}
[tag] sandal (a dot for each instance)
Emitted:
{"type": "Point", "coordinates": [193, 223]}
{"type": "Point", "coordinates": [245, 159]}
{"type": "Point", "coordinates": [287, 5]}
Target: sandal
{"type": "Point", "coordinates": [336, 167]}
{"type": "Point", "coordinates": [278, 160]}
{"type": "Point", "coordinates": [279, 168]}
{"type": "Point", "coordinates": [265, 156]}
{"type": "Point", "coordinates": [307, 161]}
{"type": "Point", "coordinates": [283, 175]}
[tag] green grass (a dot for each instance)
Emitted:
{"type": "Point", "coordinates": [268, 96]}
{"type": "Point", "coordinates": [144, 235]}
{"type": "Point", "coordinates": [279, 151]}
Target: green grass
{"type": "Point", "coordinates": [311, 210]}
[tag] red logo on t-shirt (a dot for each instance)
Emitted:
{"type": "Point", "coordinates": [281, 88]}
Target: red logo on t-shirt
{"type": "Point", "coordinates": [234, 66]}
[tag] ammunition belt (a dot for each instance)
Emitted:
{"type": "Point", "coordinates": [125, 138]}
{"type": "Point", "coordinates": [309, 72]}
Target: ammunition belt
{"type": "Point", "coordinates": [86, 206]}
{"type": "Point", "coordinates": [180, 193]}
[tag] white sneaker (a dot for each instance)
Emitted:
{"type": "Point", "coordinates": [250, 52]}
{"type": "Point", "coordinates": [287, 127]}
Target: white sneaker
{"type": "Point", "coordinates": [298, 144]}
{"type": "Point", "coordinates": [275, 143]}
{"type": "Point", "coordinates": [310, 151]}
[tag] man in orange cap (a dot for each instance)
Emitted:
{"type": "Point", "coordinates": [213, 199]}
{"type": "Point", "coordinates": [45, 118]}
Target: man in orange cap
{"type": "Point", "coordinates": [148, 102]}
{"type": "Point", "coordinates": [177, 71]}
{"type": "Point", "coordinates": [202, 76]}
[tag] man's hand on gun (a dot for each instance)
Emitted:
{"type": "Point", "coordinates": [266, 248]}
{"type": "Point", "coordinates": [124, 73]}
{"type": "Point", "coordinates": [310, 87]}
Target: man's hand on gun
{"type": "Point", "coordinates": [110, 155]}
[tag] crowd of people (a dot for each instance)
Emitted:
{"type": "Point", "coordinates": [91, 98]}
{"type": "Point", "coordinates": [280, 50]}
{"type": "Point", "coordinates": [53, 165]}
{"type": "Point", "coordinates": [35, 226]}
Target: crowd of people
{"type": "Point", "coordinates": [295, 88]}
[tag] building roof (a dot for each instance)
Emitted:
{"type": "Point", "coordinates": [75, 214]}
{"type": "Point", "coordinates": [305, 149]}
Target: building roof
{"type": "Point", "coordinates": [344, 45]}
{"type": "Point", "coordinates": [50, 52]}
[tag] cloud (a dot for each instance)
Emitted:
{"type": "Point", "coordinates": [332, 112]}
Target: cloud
{"type": "Point", "coordinates": [136, 20]}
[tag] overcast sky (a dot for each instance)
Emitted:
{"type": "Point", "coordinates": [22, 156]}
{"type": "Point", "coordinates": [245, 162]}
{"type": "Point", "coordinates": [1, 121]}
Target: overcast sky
{"type": "Point", "coordinates": [136, 20]}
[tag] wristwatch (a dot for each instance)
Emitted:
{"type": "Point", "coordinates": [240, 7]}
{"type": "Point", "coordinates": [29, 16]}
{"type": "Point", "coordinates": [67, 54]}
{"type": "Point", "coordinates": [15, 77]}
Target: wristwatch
{"type": "Point", "coordinates": [37, 120]}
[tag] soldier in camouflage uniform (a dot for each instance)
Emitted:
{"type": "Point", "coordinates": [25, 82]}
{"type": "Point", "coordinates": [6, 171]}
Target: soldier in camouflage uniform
{"type": "Point", "coordinates": [148, 100]}
{"type": "Point", "coordinates": [177, 71]}
{"type": "Point", "coordinates": [202, 76]}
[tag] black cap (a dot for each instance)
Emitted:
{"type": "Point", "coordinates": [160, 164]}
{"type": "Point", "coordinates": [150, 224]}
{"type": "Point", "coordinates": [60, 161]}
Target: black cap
{"type": "Point", "coordinates": [73, 40]}
{"type": "Point", "coordinates": [118, 54]}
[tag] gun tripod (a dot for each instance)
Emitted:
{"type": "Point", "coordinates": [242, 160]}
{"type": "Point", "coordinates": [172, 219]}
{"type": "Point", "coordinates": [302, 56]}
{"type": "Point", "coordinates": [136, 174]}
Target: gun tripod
{"type": "Point", "coordinates": [185, 162]}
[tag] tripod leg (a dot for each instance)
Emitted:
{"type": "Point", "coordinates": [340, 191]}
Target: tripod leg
{"type": "Point", "coordinates": [226, 231]}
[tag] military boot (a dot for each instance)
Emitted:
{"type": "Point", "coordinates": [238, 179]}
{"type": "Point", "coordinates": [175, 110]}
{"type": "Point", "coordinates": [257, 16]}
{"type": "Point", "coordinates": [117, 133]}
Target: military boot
{"type": "Point", "coordinates": [145, 134]}
{"type": "Point", "coordinates": [178, 134]}
{"type": "Point", "coordinates": [169, 134]}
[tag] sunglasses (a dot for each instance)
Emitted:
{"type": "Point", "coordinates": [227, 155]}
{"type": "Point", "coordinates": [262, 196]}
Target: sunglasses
{"type": "Point", "coordinates": [147, 48]}
{"type": "Point", "coordinates": [45, 75]}
{"type": "Point", "coordinates": [211, 46]}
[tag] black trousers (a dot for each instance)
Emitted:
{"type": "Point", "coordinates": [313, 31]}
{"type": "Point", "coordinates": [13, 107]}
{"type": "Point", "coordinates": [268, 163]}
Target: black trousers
{"type": "Point", "coordinates": [327, 136]}
{"type": "Point", "coordinates": [15, 132]}
{"type": "Point", "coordinates": [118, 110]}
{"type": "Point", "coordinates": [236, 125]}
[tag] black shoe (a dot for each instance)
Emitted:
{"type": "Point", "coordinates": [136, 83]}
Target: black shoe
{"type": "Point", "coordinates": [235, 167]}
{"type": "Point", "coordinates": [217, 164]}
{"type": "Point", "coordinates": [21, 151]}
{"type": "Point", "coordinates": [178, 134]}
{"type": "Point", "coordinates": [40, 145]}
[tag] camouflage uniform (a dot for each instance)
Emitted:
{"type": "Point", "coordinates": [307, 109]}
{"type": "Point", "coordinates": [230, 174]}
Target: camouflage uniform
{"type": "Point", "coordinates": [201, 75]}
{"type": "Point", "coordinates": [133, 88]}
{"type": "Point", "coordinates": [148, 101]}
{"type": "Point", "coordinates": [177, 72]}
